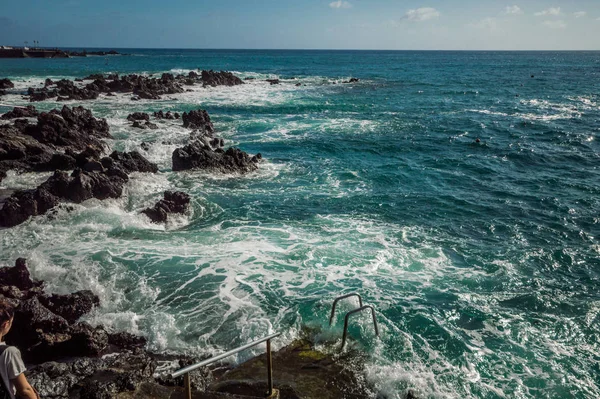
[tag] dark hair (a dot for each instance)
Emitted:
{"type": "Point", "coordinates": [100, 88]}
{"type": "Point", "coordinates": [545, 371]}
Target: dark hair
{"type": "Point", "coordinates": [7, 311]}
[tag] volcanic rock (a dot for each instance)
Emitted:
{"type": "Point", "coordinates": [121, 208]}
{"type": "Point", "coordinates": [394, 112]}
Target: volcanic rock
{"type": "Point", "coordinates": [80, 186]}
{"type": "Point", "coordinates": [6, 84]}
{"type": "Point", "coordinates": [197, 155]}
{"type": "Point", "coordinates": [71, 307]}
{"type": "Point", "coordinates": [71, 127]}
{"type": "Point", "coordinates": [138, 116]}
{"type": "Point", "coordinates": [70, 91]}
{"type": "Point", "coordinates": [21, 112]}
{"type": "Point", "coordinates": [41, 94]}
{"type": "Point", "coordinates": [167, 115]}
{"type": "Point", "coordinates": [173, 202]}
{"type": "Point", "coordinates": [17, 276]}
{"type": "Point", "coordinates": [129, 162]}
{"type": "Point", "coordinates": [198, 119]}
{"type": "Point", "coordinates": [212, 78]}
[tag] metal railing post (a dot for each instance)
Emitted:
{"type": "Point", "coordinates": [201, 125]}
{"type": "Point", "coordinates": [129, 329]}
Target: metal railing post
{"type": "Point", "coordinates": [336, 300]}
{"type": "Point", "coordinates": [348, 317]}
{"type": "Point", "coordinates": [188, 386]}
{"type": "Point", "coordinates": [269, 370]}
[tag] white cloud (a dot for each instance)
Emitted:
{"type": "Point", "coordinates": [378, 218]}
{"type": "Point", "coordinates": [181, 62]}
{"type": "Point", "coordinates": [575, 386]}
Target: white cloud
{"type": "Point", "coordinates": [560, 24]}
{"type": "Point", "coordinates": [554, 11]}
{"type": "Point", "coordinates": [580, 14]}
{"type": "Point", "coordinates": [340, 4]}
{"type": "Point", "coordinates": [422, 14]}
{"type": "Point", "coordinates": [513, 10]}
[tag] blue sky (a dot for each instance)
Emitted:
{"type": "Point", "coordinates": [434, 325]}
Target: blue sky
{"type": "Point", "coordinates": [305, 24]}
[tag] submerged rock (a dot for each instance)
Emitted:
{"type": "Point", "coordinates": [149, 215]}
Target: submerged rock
{"type": "Point", "coordinates": [173, 202]}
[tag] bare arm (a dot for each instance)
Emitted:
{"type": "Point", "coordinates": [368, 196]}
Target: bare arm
{"type": "Point", "coordinates": [24, 390]}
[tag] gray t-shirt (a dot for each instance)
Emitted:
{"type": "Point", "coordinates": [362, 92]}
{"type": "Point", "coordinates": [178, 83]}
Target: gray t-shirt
{"type": "Point", "coordinates": [11, 366]}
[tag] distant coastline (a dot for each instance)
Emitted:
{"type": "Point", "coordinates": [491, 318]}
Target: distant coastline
{"type": "Point", "coordinates": [27, 52]}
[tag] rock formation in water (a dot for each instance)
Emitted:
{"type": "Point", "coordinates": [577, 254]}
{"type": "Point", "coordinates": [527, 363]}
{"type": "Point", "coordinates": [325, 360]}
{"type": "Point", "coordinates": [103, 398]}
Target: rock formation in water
{"type": "Point", "coordinates": [166, 115]}
{"type": "Point", "coordinates": [52, 142]}
{"type": "Point", "coordinates": [6, 84]}
{"type": "Point", "coordinates": [21, 112]}
{"type": "Point", "coordinates": [198, 155]}
{"type": "Point", "coordinates": [173, 202]}
{"type": "Point", "coordinates": [138, 116]}
{"type": "Point", "coordinates": [143, 87]}
{"type": "Point", "coordinates": [204, 151]}
{"type": "Point", "coordinates": [212, 78]}
{"type": "Point", "coordinates": [95, 179]}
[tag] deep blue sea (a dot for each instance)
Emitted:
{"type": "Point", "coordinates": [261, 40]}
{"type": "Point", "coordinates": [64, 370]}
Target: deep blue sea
{"type": "Point", "coordinates": [481, 258]}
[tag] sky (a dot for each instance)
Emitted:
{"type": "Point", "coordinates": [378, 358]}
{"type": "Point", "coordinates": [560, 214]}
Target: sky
{"type": "Point", "coordinates": [305, 24]}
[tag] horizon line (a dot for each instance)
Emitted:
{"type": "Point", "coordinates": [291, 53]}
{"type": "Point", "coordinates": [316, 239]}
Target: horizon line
{"type": "Point", "coordinates": [299, 49]}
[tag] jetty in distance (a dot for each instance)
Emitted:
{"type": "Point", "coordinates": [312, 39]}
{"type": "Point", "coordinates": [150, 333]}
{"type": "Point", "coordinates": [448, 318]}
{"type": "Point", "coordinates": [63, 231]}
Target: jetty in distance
{"type": "Point", "coordinates": [27, 52]}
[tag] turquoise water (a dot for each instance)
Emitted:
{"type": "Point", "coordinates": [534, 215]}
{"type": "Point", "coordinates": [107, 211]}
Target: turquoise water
{"type": "Point", "coordinates": [482, 259]}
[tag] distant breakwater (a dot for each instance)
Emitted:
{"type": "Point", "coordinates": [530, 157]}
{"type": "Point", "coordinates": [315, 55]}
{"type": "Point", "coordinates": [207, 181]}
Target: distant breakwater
{"type": "Point", "coordinates": [24, 52]}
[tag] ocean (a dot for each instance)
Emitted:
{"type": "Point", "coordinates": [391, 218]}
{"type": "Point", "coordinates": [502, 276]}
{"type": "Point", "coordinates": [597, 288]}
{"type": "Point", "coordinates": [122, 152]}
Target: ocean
{"type": "Point", "coordinates": [481, 257]}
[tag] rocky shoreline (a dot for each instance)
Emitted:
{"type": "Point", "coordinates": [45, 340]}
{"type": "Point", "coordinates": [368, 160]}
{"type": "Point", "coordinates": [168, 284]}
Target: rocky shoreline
{"type": "Point", "coordinates": [72, 140]}
{"type": "Point", "coordinates": [71, 358]}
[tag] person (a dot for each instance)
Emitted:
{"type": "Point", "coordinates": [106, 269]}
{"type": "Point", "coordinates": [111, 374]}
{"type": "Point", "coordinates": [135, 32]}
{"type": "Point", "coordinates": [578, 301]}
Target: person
{"type": "Point", "coordinates": [14, 383]}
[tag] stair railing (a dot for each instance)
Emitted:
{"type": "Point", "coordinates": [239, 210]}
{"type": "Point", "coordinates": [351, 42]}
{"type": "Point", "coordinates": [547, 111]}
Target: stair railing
{"type": "Point", "coordinates": [186, 370]}
{"type": "Point", "coordinates": [350, 313]}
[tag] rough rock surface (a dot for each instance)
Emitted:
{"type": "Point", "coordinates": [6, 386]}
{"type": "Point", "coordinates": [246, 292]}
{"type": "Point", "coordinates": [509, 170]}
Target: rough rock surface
{"type": "Point", "coordinates": [143, 87]}
{"type": "Point", "coordinates": [204, 151]}
{"type": "Point", "coordinates": [197, 155]}
{"type": "Point", "coordinates": [21, 112]}
{"type": "Point", "coordinates": [53, 142]}
{"type": "Point", "coordinates": [6, 84]}
{"type": "Point", "coordinates": [166, 115]}
{"type": "Point", "coordinates": [103, 179]}
{"type": "Point", "coordinates": [173, 202]}
{"type": "Point", "coordinates": [77, 187]}
{"type": "Point", "coordinates": [138, 116]}
{"type": "Point", "coordinates": [212, 78]}
{"type": "Point", "coordinates": [198, 119]}
{"type": "Point", "coordinates": [129, 162]}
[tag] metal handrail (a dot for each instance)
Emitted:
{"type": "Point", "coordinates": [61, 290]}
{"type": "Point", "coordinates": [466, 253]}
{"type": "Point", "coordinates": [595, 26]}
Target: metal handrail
{"type": "Point", "coordinates": [356, 311]}
{"type": "Point", "coordinates": [336, 300]}
{"type": "Point", "coordinates": [186, 370]}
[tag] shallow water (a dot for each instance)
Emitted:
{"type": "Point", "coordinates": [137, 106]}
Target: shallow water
{"type": "Point", "coordinates": [482, 259]}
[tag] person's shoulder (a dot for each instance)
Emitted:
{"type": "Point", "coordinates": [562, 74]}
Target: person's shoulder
{"type": "Point", "coordinates": [12, 351]}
